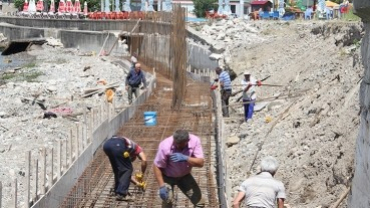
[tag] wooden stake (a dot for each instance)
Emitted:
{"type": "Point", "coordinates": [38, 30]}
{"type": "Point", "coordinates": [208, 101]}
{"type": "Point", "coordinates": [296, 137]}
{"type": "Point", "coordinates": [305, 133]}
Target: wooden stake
{"type": "Point", "coordinates": [59, 158]}
{"type": "Point", "coordinates": [43, 187]}
{"type": "Point", "coordinates": [28, 178]}
{"type": "Point", "coordinates": [341, 198]}
{"type": "Point", "coordinates": [37, 180]}
{"type": "Point", "coordinates": [76, 143]}
{"type": "Point", "coordinates": [15, 192]}
{"type": "Point", "coordinates": [70, 148]}
{"type": "Point", "coordinates": [1, 192]}
{"type": "Point", "coordinates": [51, 177]}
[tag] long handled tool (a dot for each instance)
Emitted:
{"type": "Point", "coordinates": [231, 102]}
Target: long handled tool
{"type": "Point", "coordinates": [279, 97]}
{"type": "Point", "coordinates": [239, 91]}
{"type": "Point", "coordinates": [264, 85]}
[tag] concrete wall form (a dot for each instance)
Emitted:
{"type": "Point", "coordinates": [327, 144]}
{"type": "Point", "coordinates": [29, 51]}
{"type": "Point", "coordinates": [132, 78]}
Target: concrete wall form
{"type": "Point", "coordinates": [54, 197]}
{"type": "Point", "coordinates": [224, 190]}
{"type": "Point", "coordinates": [360, 190]}
{"type": "Point", "coordinates": [90, 25]}
{"type": "Point", "coordinates": [13, 32]}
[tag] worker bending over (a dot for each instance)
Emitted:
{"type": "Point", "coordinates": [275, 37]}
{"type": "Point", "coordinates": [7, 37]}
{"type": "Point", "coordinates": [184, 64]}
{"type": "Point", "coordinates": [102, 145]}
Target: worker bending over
{"type": "Point", "coordinates": [121, 153]}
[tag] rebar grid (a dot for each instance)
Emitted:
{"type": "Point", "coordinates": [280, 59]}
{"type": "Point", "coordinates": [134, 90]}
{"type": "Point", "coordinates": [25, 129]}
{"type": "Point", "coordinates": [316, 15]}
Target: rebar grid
{"type": "Point", "coordinates": [93, 187]}
{"type": "Point", "coordinates": [191, 112]}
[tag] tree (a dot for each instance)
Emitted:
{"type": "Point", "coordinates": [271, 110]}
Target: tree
{"type": "Point", "coordinates": [18, 4]}
{"type": "Point", "coordinates": [201, 6]}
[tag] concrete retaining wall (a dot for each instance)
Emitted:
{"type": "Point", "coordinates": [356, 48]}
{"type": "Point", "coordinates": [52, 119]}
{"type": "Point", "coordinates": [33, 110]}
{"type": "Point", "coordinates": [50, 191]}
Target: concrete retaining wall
{"type": "Point", "coordinates": [13, 32]}
{"type": "Point", "coordinates": [156, 47]}
{"type": "Point", "coordinates": [90, 41]}
{"type": "Point", "coordinates": [88, 37]}
{"type": "Point", "coordinates": [90, 25]}
{"type": "Point", "coordinates": [360, 190]}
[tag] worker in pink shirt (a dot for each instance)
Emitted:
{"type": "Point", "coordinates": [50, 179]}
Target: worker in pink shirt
{"type": "Point", "coordinates": [175, 158]}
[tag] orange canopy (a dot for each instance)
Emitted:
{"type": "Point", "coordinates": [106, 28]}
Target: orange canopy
{"type": "Point", "coordinates": [331, 4]}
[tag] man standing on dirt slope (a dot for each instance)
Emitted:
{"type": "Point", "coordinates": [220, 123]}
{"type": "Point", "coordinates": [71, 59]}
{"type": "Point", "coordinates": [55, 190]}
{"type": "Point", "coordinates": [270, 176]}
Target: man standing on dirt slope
{"type": "Point", "coordinates": [175, 158]}
{"type": "Point", "coordinates": [121, 153]}
{"type": "Point", "coordinates": [262, 190]}
{"type": "Point", "coordinates": [225, 83]}
{"type": "Point", "coordinates": [133, 80]}
{"type": "Point", "coordinates": [249, 94]}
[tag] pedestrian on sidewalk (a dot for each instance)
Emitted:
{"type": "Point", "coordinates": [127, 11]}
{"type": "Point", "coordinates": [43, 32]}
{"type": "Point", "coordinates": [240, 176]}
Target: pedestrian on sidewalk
{"type": "Point", "coordinates": [249, 94]}
{"type": "Point", "coordinates": [173, 163]}
{"type": "Point", "coordinates": [262, 190]}
{"type": "Point", "coordinates": [225, 83]}
{"type": "Point", "coordinates": [122, 152]}
{"type": "Point", "coordinates": [133, 80]}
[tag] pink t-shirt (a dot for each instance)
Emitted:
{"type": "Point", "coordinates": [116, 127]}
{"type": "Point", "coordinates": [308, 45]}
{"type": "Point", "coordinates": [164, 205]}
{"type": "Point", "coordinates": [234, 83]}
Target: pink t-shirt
{"type": "Point", "coordinates": [177, 169]}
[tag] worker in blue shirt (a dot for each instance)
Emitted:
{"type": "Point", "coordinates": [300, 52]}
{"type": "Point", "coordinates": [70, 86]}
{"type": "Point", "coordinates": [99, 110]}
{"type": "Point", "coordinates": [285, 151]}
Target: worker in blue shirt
{"type": "Point", "coordinates": [225, 83]}
{"type": "Point", "coordinates": [133, 80]}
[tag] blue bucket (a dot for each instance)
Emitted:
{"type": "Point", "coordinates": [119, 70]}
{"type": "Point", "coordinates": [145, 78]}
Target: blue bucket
{"type": "Point", "coordinates": [150, 118]}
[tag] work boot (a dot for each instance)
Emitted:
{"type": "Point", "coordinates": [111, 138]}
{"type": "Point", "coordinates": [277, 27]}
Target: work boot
{"type": "Point", "coordinates": [128, 197]}
{"type": "Point", "coordinates": [112, 192]}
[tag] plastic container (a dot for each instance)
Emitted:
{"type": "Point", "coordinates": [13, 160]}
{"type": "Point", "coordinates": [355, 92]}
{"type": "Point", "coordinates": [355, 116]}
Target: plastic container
{"type": "Point", "coordinates": [150, 118]}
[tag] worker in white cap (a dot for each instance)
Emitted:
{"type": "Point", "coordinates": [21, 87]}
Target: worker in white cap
{"type": "Point", "coordinates": [249, 94]}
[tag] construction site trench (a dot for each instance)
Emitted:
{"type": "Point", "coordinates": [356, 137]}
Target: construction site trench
{"type": "Point", "coordinates": [196, 115]}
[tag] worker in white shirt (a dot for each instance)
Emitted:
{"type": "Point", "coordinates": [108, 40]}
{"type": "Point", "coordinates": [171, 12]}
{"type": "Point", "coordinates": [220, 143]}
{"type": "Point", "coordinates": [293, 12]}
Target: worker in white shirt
{"type": "Point", "coordinates": [249, 94]}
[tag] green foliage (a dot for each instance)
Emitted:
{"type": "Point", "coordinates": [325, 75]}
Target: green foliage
{"type": "Point", "coordinates": [18, 4]}
{"type": "Point", "coordinates": [201, 6]}
{"type": "Point", "coordinates": [357, 43]}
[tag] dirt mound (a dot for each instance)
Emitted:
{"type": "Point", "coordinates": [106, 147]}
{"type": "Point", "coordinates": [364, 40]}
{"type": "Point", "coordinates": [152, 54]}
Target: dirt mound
{"type": "Point", "coordinates": [313, 133]}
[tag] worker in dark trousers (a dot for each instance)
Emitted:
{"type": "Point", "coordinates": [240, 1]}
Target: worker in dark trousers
{"type": "Point", "coordinates": [133, 80]}
{"type": "Point", "coordinates": [121, 153]}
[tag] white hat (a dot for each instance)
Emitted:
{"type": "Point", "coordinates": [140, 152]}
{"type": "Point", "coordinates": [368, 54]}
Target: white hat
{"type": "Point", "coordinates": [247, 73]}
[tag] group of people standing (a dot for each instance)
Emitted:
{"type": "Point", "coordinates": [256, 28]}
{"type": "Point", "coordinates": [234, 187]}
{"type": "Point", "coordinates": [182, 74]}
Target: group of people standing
{"type": "Point", "coordinates": [248, 88]}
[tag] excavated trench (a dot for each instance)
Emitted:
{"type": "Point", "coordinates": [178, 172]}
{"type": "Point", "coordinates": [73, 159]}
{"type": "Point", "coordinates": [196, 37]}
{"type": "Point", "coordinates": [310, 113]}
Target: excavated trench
{"type": "Point", "coordinates": [196, 115]}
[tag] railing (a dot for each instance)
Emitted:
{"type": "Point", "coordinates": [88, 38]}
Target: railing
{"type": "Point", "coordinates": [50, 176]}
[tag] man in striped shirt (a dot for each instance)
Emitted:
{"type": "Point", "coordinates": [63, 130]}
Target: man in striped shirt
{"type": "Point", "coordinates": [225, 83]}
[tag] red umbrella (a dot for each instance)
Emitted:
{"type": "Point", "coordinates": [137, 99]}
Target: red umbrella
{"type": "Point", "coordinates": [62, 6]}
{"type": "Point", "coordinates": [69, 6]}
{"type": "Point", "coordinates": [77, 6]}
{"type": "Point", "coordinates": [25, 6]}
{"type": "Point", "coordinates": [40, 5]}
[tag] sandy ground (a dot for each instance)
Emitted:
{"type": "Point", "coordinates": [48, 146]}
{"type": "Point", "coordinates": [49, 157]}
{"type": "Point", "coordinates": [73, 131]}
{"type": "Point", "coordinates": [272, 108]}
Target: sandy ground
{"type": "Point", "coordinates": [313, 133]}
